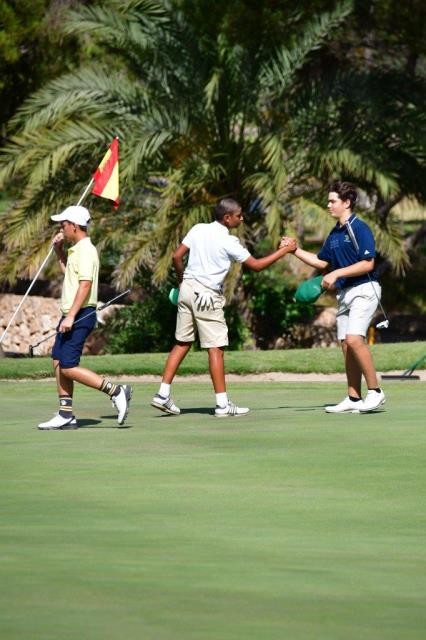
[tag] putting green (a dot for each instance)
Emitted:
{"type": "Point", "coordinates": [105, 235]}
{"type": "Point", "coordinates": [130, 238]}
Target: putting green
{"type": "Point", "coordinates": [289, 523]}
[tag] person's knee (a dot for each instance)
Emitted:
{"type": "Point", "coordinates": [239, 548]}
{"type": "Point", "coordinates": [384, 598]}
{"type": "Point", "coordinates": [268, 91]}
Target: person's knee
{"type": "Point", "coordinates": [68, 372]}
{"type": "Point", "coordinates": [354, 341]}
{"type": "Point", "coordinates": [216, 352]}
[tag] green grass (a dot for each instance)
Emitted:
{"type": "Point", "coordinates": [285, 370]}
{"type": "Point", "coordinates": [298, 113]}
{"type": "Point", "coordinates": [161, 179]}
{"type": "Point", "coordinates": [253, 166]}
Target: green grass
{"type": "Point", "coordinates": [387, 357]}
{"type": "Point", "coordinates": [286, 524]}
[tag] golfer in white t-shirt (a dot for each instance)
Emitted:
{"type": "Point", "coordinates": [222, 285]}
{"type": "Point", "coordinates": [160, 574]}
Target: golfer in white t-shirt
{"type": "Point", "coordinates": [212, 250]}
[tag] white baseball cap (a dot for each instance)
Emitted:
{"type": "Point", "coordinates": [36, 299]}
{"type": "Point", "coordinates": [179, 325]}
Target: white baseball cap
{"type": "Point", "coordinates": [76, 214]}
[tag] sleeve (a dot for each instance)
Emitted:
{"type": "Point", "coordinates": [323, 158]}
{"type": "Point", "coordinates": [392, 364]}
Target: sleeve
{"type": "Point", "coordinates": [365, 239]}
{"type": "Point", "coordinates": [325, 253]}
{"type": "Point", "coordinates": [235, 250]}
{"type": "Point", "coordinates": [189, 237]}
{"type": "Point", "coordinates": [86, 265]}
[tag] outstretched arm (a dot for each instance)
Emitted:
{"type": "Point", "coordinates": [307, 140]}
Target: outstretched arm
{"type": "Point", "coordinates": [311, 259]}
{"type": "Point", "coordinates": [306, 256]}
{"type": "Point", "coordinates": [258, 264]}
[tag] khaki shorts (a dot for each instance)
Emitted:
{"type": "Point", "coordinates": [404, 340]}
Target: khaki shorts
{"type": "Point", "coordinates": [210, 323]}
{"type": "Point", "coordinates": [356, 309]}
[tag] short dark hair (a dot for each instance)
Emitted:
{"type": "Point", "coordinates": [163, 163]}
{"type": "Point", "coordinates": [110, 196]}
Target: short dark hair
{"type": "Point", "coordinates": [345, 191]}
{"type": "Point", "coordinates": [226, 206]}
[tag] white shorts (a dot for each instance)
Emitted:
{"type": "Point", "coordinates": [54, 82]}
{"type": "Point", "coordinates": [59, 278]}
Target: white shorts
{"type": "Point", "coordinates": [210, 323]}
{"type": "Point", "coordinates": [356, 309]}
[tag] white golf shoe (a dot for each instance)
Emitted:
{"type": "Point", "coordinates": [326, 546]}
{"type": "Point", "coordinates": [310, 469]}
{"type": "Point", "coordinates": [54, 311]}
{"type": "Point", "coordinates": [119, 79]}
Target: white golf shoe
{"type": "Point", "coordinates": [58, 422]}
{"type": "Point", "coordinates": [165, 404]}
{"type": "Point", "coordinates": [122, 402]}
{"type": "Point", "coordinates": [373, 400]}
{"type": "Point", "coordinates": [231, 411]}
{"type": "Point", "coordinates": [346, 406]}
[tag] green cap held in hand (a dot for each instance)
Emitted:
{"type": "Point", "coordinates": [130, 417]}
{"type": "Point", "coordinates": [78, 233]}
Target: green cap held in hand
{"type": "Point", "coordinates": [309, 290]}
{"type": "Point", "coordinates": [174, 295]}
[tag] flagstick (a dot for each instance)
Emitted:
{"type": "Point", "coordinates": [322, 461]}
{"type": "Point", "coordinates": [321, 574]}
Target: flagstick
{"type": "Point", "coordinates": [86, 191]}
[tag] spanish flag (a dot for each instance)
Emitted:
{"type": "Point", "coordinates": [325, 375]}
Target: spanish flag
{"type": "Point", "coordinates": [106, 175]}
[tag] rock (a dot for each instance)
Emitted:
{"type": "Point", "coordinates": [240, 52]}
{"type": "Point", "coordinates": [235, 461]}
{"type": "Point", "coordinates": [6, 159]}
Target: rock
{"type": "Point", "coordinates": [326, 318]}
{"type": "Point", "coordinates": [37, 319]}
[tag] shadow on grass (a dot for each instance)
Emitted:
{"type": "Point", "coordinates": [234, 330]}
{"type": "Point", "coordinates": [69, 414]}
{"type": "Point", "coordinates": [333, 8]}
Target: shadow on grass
{"type": "Point", "coordinates": [294, 407]}
{"type": "Point", "coordinates": [198, 410]}
{"type": "Point", "coordinates": [201, 410]}
{"type": "Point", "coordinates": [88, 423]}
{"type": "Point", "coordinates": [95, 423]}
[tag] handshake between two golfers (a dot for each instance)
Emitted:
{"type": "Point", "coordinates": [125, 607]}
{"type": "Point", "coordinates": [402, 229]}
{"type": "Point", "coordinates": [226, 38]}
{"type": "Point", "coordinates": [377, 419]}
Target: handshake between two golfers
{"type": "Point", "coordinates": [291, 244]}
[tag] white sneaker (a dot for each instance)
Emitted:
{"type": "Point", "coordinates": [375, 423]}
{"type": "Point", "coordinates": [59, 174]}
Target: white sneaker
{"type": "Point", "coordinates": [122, 401]}
{"type": "Point", "coordinates": [165, 404]}
{"type": "Point", "coordinates": [346, 406]}
{"type": "Point", "coordinates": [231, 410]}
{"type": "Point", "coordinates": [373, 400]}
{"type": "Point", "coordinates": [58, 422]}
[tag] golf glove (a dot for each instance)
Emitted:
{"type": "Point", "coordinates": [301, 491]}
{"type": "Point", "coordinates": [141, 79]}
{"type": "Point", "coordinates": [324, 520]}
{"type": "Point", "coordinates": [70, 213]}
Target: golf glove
{"type": "Point", "coordinates": [204, 301]}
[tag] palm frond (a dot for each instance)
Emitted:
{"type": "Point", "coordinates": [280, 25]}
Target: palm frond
{"type": "Point", "coordinates": [90, 91]}
{"type": "Point", "coordinates": [277, 75]}
{"type": "Point", "coordinates": [339, 162]}
{"type": "Point", "coordinates": [271, 184]}
{"type": "Point", "coordinates": [389, 242]}
{"type": "Point", "coordinates": [211, 90]}
{"type": "Point", "coordinates": [120, 24]}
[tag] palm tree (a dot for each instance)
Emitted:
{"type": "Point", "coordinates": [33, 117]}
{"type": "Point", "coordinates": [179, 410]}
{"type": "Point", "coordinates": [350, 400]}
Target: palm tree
{"type": "Point", "coordinates": [199, 118]}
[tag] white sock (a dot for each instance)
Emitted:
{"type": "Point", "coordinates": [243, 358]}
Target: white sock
{"type": "Point", "coordinates": [222, 399]}
{"type": "Point", "coordinates": [164, 390]}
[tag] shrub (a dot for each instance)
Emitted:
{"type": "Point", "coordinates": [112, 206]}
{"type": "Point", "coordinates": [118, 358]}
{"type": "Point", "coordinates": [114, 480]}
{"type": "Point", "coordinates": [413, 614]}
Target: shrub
{"type": "Point", "coordinates": [273, 308]}
{"type": "Point", "coordinates": [143, 326]}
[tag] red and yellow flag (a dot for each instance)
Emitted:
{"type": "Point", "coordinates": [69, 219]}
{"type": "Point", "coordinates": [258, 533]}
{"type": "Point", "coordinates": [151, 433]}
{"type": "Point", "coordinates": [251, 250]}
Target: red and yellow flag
{"type": "Point", "coordinates": [106, 175]}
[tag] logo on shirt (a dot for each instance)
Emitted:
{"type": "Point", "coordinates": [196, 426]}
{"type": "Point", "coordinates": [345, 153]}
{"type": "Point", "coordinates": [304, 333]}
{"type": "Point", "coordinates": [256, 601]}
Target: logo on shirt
{"type": "Point", "coordinates": [346, 238]}
{"type": "Point", "coordinates": [366, 252]}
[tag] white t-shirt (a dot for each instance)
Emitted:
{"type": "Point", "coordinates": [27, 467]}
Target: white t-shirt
{"type": "Point", "coordinates": [211, 252]}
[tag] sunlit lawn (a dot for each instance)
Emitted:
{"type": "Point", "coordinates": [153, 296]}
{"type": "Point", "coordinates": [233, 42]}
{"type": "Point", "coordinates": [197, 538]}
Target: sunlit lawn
{"type": "Point", "coordinates": [393, 356]}
{"type": "Point", "coordinates": [288, 523]}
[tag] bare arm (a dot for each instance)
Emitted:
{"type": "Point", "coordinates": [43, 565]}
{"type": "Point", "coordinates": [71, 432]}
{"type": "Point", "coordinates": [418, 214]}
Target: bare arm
{"type": "Point", "coordinates": [258, 264]}
{"type": "Point", "coordinates": [178, 257]}
{"type": "Point", "coordinates": [58, 246]}
{"type": "Point", "coordinates": [81, 295]}
{"type": "Point", "coordinates": [311, 259]}
{"type": "Point", "coordinates": [357, 269]}
{"type": "Point", "coordinates": [329, 280]}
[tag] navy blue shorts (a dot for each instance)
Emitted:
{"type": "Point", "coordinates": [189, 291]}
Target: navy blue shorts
{"type": "Point", "coordinates": [68, 346]}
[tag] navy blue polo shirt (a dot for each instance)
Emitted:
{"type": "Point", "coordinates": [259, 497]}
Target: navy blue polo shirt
{"type": "Point", "coordinates": [338, 250]}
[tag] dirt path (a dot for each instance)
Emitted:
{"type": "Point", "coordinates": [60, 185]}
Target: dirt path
{"type": "Point", "coordinates": [273, 376]}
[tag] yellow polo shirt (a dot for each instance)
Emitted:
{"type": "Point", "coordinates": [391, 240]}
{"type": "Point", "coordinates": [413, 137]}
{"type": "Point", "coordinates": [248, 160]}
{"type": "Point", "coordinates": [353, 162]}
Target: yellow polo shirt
{"type": "Point", "coordinates": [82, 264]}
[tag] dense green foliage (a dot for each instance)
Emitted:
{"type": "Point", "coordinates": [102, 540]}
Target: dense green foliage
{"type": "Point", "coordinates": [32, 50]}
{"type": "Point", "coordinates": [266, 102]}
{"type": "Point", "coordinates": [143, 326]}
{"type": "Point", "coordinates": [148, 326]}
{"type": "Point", "coordinates": [273, 307]}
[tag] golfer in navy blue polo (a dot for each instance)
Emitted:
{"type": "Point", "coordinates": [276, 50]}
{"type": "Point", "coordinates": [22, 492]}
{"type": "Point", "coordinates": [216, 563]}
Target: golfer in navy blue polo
{"type": "Point", "coordinates": [348, 254]}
